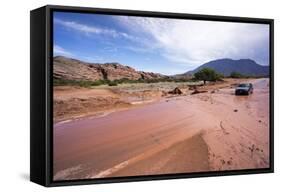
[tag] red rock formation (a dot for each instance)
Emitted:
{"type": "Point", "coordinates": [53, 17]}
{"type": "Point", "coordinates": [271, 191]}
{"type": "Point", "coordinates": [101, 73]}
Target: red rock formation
{"type": "Point", "coordinates": [72, 69]}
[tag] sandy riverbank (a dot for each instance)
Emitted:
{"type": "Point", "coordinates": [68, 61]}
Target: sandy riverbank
{"type": "Point", "coordinates": [73, 102]}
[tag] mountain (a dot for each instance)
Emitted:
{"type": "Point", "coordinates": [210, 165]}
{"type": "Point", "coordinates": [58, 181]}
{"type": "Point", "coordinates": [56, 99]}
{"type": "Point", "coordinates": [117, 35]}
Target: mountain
{"type": "Point", "coordinates": [227, 66]}
{"type": "Point", "coordinates": [73, 69]}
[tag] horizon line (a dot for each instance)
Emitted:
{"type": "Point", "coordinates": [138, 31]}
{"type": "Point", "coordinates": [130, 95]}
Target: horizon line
{"type": "Point", "coordinates": [187, 71]}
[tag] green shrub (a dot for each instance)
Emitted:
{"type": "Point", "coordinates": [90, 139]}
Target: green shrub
{"type": "Point", "coordinates": [112, 83]}
{"type": "Point", "coordinates": [236, 75]}
{"type": "Point", "coordinates": [88, 83]}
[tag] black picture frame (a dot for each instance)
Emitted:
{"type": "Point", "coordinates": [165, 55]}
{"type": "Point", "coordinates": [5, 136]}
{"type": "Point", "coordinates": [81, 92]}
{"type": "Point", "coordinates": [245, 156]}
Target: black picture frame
{"type": "Point", "coordinates": [41, 94]}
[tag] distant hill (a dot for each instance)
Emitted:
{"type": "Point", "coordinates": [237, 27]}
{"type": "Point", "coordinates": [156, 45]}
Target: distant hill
{"type": "Point", "coordinates": [73, 69]}
{"type": "Point", "coordinates": [227, 66]}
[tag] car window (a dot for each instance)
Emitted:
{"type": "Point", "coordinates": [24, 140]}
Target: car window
{"type": "Point", "coordinates": [243, 85]}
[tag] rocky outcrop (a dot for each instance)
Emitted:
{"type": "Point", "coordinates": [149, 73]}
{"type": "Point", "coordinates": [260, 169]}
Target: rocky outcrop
{"type": "Point", "coordinates": [72, 69]}
{"type": "Point", "coordinates": [176, 91]}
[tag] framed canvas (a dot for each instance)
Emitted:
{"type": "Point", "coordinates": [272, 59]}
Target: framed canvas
{"type": "Point", "coordinates": [123, 95]}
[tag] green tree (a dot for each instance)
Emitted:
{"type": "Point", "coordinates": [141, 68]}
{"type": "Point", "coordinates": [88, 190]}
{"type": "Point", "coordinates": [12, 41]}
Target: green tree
{"type": "Point", "coordinates": [207, 74]}
{"type": "Point", "coordinates": [235, 74]}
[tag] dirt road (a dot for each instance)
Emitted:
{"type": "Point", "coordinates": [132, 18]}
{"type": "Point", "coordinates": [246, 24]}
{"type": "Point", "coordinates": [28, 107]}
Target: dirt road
{"type": "Point", "coordinates": [203, 132]}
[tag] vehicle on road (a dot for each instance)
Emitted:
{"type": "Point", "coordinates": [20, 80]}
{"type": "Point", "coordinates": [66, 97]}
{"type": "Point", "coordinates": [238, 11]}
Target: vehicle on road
{"type": "Point", "coordinates": [244, 89]}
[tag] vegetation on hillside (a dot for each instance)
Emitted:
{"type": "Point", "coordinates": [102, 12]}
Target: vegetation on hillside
{"type": "Point", "coordinates": [205, 74]}
{"type": "Point", "coordinates": [87, 83]}
{"type": "Point", "coordinates": [235, 74]}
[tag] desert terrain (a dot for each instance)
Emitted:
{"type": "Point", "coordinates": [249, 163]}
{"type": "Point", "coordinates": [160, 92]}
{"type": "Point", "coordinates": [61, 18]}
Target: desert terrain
{"type": "Point", "coordinates": [147, 129]}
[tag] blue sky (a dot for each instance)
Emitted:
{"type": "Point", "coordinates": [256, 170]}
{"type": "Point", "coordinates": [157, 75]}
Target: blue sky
{"type": "Point", "coordinates": [167, 46]}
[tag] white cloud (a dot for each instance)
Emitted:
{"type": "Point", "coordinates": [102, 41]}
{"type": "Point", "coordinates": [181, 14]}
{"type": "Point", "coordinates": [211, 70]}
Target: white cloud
{"type": "Point", "coordinates": [85, 28]}
{"type": "Point", "coordinates": [91, 29]}
{"type": "Point", "coordinates": [61, 51]}
{"type": "Point", "coordinates": [192, 42]}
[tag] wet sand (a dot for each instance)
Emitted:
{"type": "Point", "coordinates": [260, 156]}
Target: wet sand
{"type": "Point", "coordinates": [190, 155]}
{"type": "Point", "coordinates": [202, 132]}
